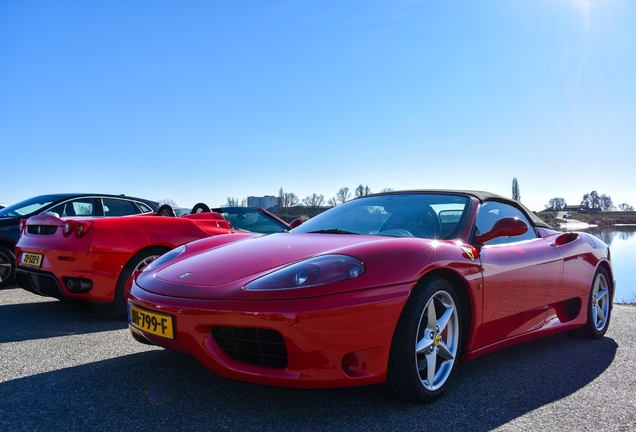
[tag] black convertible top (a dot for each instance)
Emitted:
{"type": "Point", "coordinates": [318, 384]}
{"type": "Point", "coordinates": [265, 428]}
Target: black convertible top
{"type": "Point", "coordinates": [481, 196]}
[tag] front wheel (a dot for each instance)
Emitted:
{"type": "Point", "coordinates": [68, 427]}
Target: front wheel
{"type": "Point", "coordinates": [427, 342]}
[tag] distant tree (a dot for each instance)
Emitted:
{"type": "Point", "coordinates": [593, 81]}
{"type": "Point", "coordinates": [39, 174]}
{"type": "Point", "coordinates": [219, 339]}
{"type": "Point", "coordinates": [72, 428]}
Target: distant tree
{"type": "Point", "coordinates": [362, 191]}
{"type": "Point", "coordinates": [594, 200]}
{"type": "Point", "coordinates": [387, 190]}
{"type": "Point", "coordinates": [314, 201]}
{"type": "Point", "coordinates": [625, 207]}
{"type": "Point", "coordinates": [591, 200]}
{"type": "Point", "coordinates": [332, 202]}
{"type": "Point", "coordinates": [286, 200]}
{"type": "Point", "coordinates": [606, 202]}
{"type": "Point", "coordinates": [235, 202]}
{"type": "Point", "coordinates": [172, 203]}
{"type": "Point", "coordinates": [556, 204]}
{"type": "Point", "coordinates": [343, 195]}
{"type": "Point", "coordinates": [516, 193]}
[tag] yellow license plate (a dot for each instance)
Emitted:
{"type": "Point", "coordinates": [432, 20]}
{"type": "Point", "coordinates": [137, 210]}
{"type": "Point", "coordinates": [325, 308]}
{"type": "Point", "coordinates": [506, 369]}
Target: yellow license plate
{"type": "Point", "coordinates": [151, 322]}
{"type": "Point", "coordinates": [31, 259]}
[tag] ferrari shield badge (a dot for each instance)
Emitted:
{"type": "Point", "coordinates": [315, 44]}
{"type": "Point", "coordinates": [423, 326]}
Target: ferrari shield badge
{"type": "Point", "coordinates": [469, 252]}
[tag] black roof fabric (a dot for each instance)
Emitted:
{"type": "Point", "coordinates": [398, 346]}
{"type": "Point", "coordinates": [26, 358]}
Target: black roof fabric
{"type": "Point", "coordinates": [482, 196]}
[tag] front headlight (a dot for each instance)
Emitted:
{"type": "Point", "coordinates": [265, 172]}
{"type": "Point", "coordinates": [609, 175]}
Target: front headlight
{"type": "Point", "coordinates": [165, 258]}
{"type": "Point", "coordinates": [310, 273]}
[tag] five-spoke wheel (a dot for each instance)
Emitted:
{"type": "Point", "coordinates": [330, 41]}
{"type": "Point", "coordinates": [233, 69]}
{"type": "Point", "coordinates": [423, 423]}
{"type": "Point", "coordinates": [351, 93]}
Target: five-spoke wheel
{"type": "Point", "coordinates": [599, 307]}
{"type": "Point", "coordinates": [427, 342]}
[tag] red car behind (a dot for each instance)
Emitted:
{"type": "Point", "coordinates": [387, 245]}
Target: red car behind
{"type": "Point", "coordinates": [91, 259]}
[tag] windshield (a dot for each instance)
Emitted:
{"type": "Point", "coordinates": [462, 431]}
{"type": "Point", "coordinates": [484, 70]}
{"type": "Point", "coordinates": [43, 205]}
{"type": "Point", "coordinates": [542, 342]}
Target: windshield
{"type": "Point", "coordinates": [434, 216]}
{"type": "Point", "coordinates": [247, 219]}
{"type": "Point", "coordinates": [27, 207]}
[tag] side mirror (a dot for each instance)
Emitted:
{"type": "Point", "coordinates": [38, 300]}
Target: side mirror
{"type": "Point", "coordinates": [296, 222]}
{"type": "Point", "coordinates": [508, 226]}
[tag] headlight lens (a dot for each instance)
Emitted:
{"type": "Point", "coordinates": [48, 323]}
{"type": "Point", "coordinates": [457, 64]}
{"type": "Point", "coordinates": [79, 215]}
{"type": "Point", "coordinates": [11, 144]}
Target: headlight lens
{"type": "Point", "coordinates": [309, 273]}
{"type": "Point", "coordinates": [165, 258]}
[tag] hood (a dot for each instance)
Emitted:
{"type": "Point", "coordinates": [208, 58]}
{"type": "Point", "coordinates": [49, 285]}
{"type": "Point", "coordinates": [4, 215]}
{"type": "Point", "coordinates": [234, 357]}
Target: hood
{"type": "Point", "coordinates": [220, 272]}
{"type": "Point", "coordinates": [239, 260]}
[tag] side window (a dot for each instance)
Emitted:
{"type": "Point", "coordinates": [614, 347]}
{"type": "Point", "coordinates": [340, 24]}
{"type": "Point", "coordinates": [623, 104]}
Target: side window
{"type": "Point", "coordinates": [117, 207]}
{"type": "Point", "coordinates": [144, 208]}
{"type": "Point", "coordinates": [491, 211]}
{"type": "Point", "coordinates": [78, 207]}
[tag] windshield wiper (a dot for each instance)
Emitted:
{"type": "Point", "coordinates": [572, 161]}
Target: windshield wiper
{"type": "Point", "coordinates": [331, 231]}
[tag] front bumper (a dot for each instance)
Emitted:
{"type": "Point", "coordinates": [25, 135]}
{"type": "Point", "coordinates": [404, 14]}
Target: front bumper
{"type": "Point", "coordinates": [333, 341]}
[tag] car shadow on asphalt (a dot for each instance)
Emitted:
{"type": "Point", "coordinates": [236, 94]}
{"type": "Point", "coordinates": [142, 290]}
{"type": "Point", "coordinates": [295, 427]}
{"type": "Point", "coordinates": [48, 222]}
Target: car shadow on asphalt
{"type": "Point", "coordinates": [161, 390]}
{"type": "Point", "coordinates": [53, 318]}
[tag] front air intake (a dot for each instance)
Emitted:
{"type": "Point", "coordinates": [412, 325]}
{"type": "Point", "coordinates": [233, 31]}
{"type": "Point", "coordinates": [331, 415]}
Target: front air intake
{"type": "Point", "coordinates": [255, 346]}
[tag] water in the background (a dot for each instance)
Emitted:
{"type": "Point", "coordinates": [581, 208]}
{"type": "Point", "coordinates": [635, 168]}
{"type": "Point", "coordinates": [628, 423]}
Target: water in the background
{"type": "Point", "coordinates": [622, 242]}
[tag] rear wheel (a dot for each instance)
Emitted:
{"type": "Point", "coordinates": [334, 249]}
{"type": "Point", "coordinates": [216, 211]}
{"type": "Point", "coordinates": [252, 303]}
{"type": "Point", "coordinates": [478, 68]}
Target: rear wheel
{"type": "Point", "coordinates": [136, 263]}
{"type": "Point", "coordinates": [7, 266]}
{"type": "Point", "coordinates": [426, 344]}
{"type": "Point", "coordinates": [599, 307]}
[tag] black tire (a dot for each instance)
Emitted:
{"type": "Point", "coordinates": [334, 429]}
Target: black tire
{"type": "Point", "coordinates": [136, 263]}
{"type": "Point", "coordinates": [166, 210]}
{"type": "Point", "coordinates": [200, 208]}
{"type": "Point", "coordinates": [439, 341]}
{"type": "Point", "coordinates": [599, 307]}
{"type": "Point", "coordinates": [7, 266]}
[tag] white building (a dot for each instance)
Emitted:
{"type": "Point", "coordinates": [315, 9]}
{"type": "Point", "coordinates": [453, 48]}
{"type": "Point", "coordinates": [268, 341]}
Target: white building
{"type": "Point", "coordinates": [265, 202]}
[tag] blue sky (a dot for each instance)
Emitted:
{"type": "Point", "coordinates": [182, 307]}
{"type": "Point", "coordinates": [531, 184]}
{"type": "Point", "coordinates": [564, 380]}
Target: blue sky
{"type": "Point", "coordinates": [202, 100]}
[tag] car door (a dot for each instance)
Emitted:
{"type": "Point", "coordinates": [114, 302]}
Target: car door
{"type": "Point", "coordinates": [519, 273]}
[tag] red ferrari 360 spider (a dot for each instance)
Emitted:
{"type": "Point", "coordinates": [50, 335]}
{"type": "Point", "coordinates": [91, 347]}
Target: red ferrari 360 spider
{"type": "Point", "coordinates": [92, 258]}
{"type": "Point", "coordinates": [395, 287]}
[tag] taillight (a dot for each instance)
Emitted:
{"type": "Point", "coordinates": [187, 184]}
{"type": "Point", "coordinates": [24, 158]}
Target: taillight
{"type": "Point", "coordinates": [22, 225]}
{"type": "Point", "coordinates": [82, 228]}
{"type": "Point", "coordinates": [67, 227]}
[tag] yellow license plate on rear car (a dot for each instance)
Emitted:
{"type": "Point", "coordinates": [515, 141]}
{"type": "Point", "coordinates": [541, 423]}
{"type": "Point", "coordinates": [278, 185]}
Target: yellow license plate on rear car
{"type": "Point", "coordinates": [151, 322]}
{"type": "Point", "coordinates": [31, 259]}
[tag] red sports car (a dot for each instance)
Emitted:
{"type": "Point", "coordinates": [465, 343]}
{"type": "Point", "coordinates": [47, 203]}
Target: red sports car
{"type": "Point", "coordinates": [92, 258]}
{"type": "Point", "coordinates": [395, 287]}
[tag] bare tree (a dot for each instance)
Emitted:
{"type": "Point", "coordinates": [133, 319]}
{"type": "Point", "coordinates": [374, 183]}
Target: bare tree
{"type": "Point", "coordinates": [286, 200]}
{"type": "Point", "coordinates": [556, 204]}
{"type": "Point", "coordinates": [172, 203]}
{"type": "Point", "coordinates": [343, 195]}
{"type": "Point", "coordinates": [332, 202]}
{"type": "Point", "coordinates": [235, 202]}
{"type": "Point", "coordinates": [314, 201]}
{"type": "Point", "coordinates": [362, 191]}
{"type": "Point", "coordinates": [625, 207]}
{"type": "Point", "coordinates": [387, 190]}
{"type": "Point", "coordinates": [516, 193]}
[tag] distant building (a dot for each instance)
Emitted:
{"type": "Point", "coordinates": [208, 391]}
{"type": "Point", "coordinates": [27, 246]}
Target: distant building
{"type": "Point", "coordinates": [572, 208]}
{"type": "Point", "coordinates": [265, 202]}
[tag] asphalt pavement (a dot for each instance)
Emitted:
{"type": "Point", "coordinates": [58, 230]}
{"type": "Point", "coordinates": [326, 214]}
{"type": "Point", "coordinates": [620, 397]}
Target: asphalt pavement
{"type": "Point", "coordinates": [71, 367]}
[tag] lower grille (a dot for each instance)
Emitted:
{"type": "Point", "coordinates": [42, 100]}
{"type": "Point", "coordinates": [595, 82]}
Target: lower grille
{"type": "Point", "coordinates": [43, 284]}
{"type": "Point", "coordinates": [255, 346]}
{"type": "Point", "coordinates": [41, 229]}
